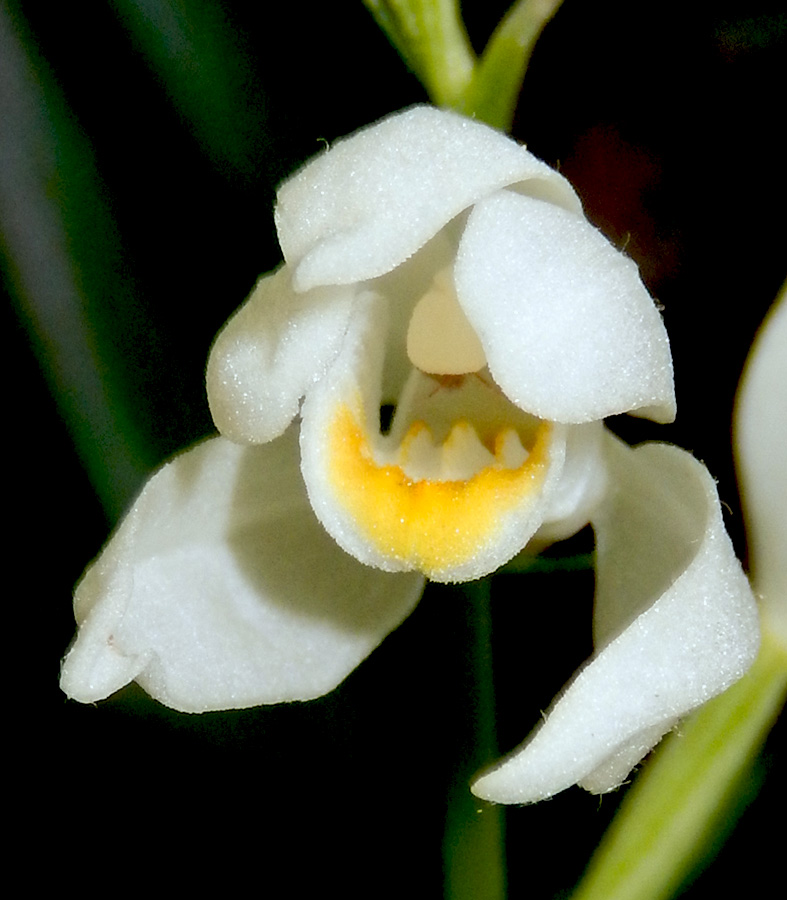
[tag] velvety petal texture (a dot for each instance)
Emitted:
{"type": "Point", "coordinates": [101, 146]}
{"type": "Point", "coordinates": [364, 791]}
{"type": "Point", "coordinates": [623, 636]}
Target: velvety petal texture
{"type": "Point", "coordinates": [270, 352]}
{"type": "Point", "coordinates": [398, 241]}
{"type": "Point", "coordinates": [676, 625]}
{"type": "Point", "coordinates": [570, 333]}
{"type": "Point", "coordinates": [372, 200]}
{"type": "Point", "coordinates": [452, 331]}
{"type": "Point", "coordinates": [761, 444]}
{"type": "Point", "coordinates": [200, 598]}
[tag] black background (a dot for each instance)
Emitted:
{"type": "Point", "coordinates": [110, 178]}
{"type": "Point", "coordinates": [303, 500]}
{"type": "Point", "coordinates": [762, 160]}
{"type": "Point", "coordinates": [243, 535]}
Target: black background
{"type": "Point", "coordinates": [669, 125]}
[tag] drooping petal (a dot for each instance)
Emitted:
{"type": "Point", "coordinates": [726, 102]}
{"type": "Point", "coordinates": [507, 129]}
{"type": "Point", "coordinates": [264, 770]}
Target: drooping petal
{"type": "Point", "coordinates": [221, 590]}
{"type": "Point", "coordinates": [452, 527]}
{"type": "Point", "coordinates": [569, 331]}
{"type": "Point", "coordinates": [370, 201]}
{"type": "Point", "coordinates": [761, 440]}
{"type": "Point", "coordinates": [274, 347]}
{"type": "Point", "coordinates": [679, 621]}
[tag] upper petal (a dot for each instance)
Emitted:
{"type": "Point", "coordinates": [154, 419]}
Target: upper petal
{"type": "Point", "coordinates": [373, 199]}
{"type": "Point", "coordinates": [569, 331]}
{"type": "Point", "coordinates": [221, 590]}
{"type": "Point", "coordinates": [668, 577]}
{"type": "Point", "coordinates": [267, 355]}
{"type": "Point", "coordinates": [761, 441]}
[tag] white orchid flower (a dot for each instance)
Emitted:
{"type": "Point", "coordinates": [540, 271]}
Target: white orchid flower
{"type": "Point", "coordinates": [433, 266]}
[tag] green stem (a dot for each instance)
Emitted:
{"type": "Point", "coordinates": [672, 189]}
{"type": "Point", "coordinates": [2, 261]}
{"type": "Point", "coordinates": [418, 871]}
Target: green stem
{"type": "Point", "coordinates": [430, 37]}
{"type": "Point", "coordinates": [473, 842]}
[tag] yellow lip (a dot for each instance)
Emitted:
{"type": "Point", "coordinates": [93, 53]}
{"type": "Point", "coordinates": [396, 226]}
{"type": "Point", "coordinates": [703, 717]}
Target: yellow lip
{"type": "Point", "coordinates": [429, 525]}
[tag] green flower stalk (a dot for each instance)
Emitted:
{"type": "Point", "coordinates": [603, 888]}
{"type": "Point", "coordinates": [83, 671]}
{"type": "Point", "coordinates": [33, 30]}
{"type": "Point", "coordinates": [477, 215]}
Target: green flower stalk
{"type": "Point", "coordinates": [431, 38]}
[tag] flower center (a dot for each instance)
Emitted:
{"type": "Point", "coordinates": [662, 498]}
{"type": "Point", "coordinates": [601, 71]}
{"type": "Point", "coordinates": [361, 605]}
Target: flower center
{"type": "Point", "coordinates": [460, 470]}
{"type": "Point", "coordinates": [440, 525]}
{"type": "Point", "coordinates": [449, 428]}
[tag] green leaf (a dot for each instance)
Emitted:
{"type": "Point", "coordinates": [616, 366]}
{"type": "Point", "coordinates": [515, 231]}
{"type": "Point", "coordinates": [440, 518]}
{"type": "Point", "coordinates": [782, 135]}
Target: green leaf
{"type": "Point", "coordinates": [199, 59]}
{"type": "Point", "coordinates": [64, 263]}
{"type": "Point", "coordinates": [685, 794]}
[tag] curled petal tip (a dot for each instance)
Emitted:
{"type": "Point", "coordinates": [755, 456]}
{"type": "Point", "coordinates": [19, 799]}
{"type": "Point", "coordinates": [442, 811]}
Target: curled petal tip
{"type": "Point", "coordinates": [679, 625]}
{"type": "Point", "coordinates": [270, 352]}
{"type": "Point", "coordinates": [220, 590]}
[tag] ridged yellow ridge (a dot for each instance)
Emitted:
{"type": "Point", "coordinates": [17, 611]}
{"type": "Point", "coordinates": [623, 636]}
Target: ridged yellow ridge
{"type": "Point", "coordinates": [432, 526]}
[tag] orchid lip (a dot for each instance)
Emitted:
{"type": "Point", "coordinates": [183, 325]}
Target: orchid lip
{"type": "Point", "coordinates": [433, 507]}
{"type": "Point", "coordinates": [434, 492]}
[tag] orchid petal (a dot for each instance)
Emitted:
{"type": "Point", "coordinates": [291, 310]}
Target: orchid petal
{"type": "Point", "coordinates": [761, 439]}
{"type": "Point", "coordinates": [221, 590]}
{"type": "Point", "coordinates": [377, 197]}
{"type": "Point", "coordinates": [452, 528]}
{"type": "Point", "coordinates": [660, 538]}
{"type": "Point", "coordinates": [582, 486]}
{"type": "Point", "coordinates": [270, 352]}
{"type": "Point", "coordinates": [569, 331]}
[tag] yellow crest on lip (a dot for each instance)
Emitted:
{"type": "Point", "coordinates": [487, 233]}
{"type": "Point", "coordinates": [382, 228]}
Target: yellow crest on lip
{"type": "Point", "coordinates": [430, 525]}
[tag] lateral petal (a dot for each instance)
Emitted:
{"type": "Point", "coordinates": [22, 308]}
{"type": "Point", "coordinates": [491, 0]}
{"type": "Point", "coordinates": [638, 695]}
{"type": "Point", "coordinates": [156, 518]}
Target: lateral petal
{"type": "Point", "coordinates": [570, 333]}
{"type": "Point", "coordinates": [374, 198]}
{"type": "Point", "coordinates": [678, 622]}
{"type": "Point", "coordinates": [221, 590]}
{"type": "Point", "coordinates": [270, 352]}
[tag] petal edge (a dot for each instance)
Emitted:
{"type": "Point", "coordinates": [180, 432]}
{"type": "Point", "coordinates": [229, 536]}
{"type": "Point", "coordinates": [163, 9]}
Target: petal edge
{"type": "Point", "coordinates": [570, 333]}
{"type": "Point", "coordinates": [695, 640]}
{"type": "Point", "coordinates": [377, 196]}
{"type": "Point", "coordinates": [220, 590]}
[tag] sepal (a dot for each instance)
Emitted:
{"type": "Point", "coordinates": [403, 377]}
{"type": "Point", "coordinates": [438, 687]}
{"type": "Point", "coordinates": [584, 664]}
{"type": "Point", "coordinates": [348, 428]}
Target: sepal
{"type": "Point", "coordinates": [220, 590]}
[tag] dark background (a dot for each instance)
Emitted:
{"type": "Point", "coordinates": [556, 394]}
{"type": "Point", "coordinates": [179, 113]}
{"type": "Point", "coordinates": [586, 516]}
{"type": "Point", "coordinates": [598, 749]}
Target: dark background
{"type": "Point", "coordinates": [666, 122]}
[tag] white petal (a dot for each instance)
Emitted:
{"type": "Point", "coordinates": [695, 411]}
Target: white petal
{"type": "Point", "coordinates": [570, 333]}
{"type": "Point", "coordinates": [582, 485]}
{"type": "Point", "coordinates": [221, 590]}
{"type": "Point", "coordinates": [761, 440]}
{"type": "Point", "coordinates": [450, 529]}
{"type": "Point", "coordinates": [666, 566]}
{"type": "Point", "coordinates": [374, 198]}
{"type": "Point", "coordinates": [270, 352]}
